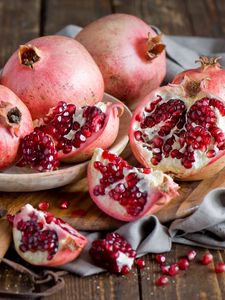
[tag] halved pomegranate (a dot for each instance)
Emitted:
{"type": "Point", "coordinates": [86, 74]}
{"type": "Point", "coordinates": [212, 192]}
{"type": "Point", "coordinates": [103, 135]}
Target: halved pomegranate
{"type": "Point", "coordinates": [180, 131]}
{"type": "Point", "coordinates": [125, 192]}
{"type": "Point", "coordinates": [70, 135]}
{"type": "Point", "coordinates": [41, 239]}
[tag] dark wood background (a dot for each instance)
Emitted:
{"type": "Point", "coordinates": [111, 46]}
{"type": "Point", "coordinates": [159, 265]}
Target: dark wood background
{"type": "Point", "coordinates": [22, 20]}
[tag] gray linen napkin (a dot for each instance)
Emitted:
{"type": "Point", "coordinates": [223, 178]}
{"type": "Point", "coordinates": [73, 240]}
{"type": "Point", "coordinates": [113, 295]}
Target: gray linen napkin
{"type": "Point", "coordinates": [206, 226]}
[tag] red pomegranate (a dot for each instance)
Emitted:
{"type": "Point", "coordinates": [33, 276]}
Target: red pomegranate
{"type": "Point", "coordinates": [50, 68]}
{"type": "Point", "coordinates": [124, 192]}
{"type": "Point", "coordinates": [129, 54]}
{"type": "Point", "coordinates": [209, 77]}
{"type": "Point", "coordinates": [70, 135]}
{"type": "Point", "coordinates": [15, 123]}
{"type": "Point", "coordinates": [181, 132]}
{"type": "Point", "coordinates": [41, 239]}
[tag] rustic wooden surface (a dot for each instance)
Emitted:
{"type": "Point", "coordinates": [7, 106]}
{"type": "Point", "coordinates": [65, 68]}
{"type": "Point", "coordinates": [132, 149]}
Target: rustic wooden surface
{"type": "Point", "coordinates": [21, 20]}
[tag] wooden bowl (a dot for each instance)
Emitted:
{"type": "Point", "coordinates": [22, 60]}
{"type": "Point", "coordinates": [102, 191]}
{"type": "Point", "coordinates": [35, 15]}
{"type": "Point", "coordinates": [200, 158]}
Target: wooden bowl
{"type": "Point", "coordinates": [17, 179]}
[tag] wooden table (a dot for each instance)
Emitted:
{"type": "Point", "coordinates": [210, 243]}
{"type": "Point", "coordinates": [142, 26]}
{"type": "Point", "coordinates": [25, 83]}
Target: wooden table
{"type": "Point", "coordinates": [22, 20]}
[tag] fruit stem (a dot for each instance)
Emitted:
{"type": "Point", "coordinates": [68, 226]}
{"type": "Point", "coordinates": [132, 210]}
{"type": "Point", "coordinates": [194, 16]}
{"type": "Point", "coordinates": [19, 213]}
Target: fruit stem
{"type": "Point", "coordinates": [206, 61]}
{"type": "Point", "coordinates": [28, 55]}
{"type": "Point", "coordinates": [154, 46]}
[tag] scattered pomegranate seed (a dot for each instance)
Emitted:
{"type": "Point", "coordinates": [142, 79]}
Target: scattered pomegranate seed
{"type": "Point", "coordinates": [165, 269]}
{"type": "Point", "coordinates": [162, 280]}
{"type": "Point", "coordinates": [64, 204]}
{"type": "Point", "coordinates": [160, 259]}
{"type": "Point", "coordinates": [183, 264]}
{"type": "Point", "coordinates": [220, 267]}
{"type": "Point", "coordinates": [191, 255]}
{"type": "Point", "coordinates": [173, 270]}
{"type": "Point", "coordinates": [44, 205]}
{"type": "Point", "coordinates": [207, 259]}
{"type": "Point", "coordinates": [140, 263]}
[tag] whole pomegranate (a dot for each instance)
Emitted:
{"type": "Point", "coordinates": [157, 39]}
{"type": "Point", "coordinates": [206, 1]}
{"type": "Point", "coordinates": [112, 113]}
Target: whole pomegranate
{"type": "Point", "coordinates": [70, 134]}
{"type": "Point", "coordinates": [50, 68]}
{"type": "Point", "coordinates": [181, 132]}
{"type": "Point", "coordinates": [129, 54]}
{"type": "Point", "coordinates": [41, 239]}
{"type": "Point", "coordinates": [209, 77]}
{"type": "Point", "coordinates": [124, 192]}
{"type": "Point", "coordinates": [15, 123]}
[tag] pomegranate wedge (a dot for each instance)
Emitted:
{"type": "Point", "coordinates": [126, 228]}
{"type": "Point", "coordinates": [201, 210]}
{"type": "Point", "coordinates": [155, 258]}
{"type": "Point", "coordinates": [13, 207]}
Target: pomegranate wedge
{"type": "Point", "coordinates": [125, 192]}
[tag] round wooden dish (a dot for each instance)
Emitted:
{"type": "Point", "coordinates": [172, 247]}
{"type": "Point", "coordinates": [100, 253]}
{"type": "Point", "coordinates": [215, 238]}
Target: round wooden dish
{"type": "Point", "coordinates": [17, 179]}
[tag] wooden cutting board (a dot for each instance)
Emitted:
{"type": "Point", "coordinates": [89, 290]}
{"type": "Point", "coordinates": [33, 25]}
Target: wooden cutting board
{"type": "Point", "coordinates": [83, 214]}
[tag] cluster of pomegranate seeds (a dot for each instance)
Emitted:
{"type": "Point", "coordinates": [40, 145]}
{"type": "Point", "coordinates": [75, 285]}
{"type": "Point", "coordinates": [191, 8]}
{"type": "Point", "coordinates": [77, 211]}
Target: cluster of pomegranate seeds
{"type": "Point", "coordinates": [39, 152]}
{"type": "Point", "coordinates": [63, 129]}
{"type": "Point", "coordinates": [33, 238]}
{"type": "Point", "coordinates": [182, 131]}
{"type": "Point", "coordinates": [113, 253]}
{"type": "Point", "coordinates": [44, 205]}
{"type": "Point", "coordinates": [126, 191]}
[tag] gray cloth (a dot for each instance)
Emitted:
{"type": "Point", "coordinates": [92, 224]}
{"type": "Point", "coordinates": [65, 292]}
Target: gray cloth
{"type": "Point", "coordinates": [206, 226]}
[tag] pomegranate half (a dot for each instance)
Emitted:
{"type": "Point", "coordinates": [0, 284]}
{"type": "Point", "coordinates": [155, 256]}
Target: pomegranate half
{"type": "Point", "coordinates": [71, 135]}
{"type": "Point", "coordinates": [50, 68]}
{"type": "Point", "coordinates": [124, 192]}
{"type": "Point", "coordinates": [15, 123]}
{"type": "Point", "coordinates": [179, 131]}
{"type": "Point", "coordinates": [129, 54]}
{"type": "Point", "coordinates": [43, 240]}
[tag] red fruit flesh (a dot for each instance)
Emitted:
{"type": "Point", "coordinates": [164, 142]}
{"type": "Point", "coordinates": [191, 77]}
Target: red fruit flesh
{"type": "Point", "coordinates": [15, 123]}
{"type": "Point", "coordinates": [124, 192]}
{"type": "Point", "coordinates": [129, 54]}
{"type": "Point", "coordinates": [70, 135]}
{"type": "Point", "coordinates": [209, 77]}
{"type": "Point", "coordinates": [74, 77]}
{"type": "Point", "coordinates": [220, 267]}
{"type": "Point", "coordinates": [162, 280]}
{"type": "Point", "coordinates": [207, 259]}
{"type": "Point", "coordinates": [180, 134]}
{"type": "Point", "coordinates": [41, 239]}
{"type": "Point", "coordinates": [113, 253]}
{"type": "Point", "coordinates": [183, 264]}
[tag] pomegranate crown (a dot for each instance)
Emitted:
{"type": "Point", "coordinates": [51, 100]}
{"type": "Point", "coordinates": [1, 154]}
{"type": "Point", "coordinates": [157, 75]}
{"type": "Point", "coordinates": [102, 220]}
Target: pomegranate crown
{"type": "Point", "coordinates": [207, 61]}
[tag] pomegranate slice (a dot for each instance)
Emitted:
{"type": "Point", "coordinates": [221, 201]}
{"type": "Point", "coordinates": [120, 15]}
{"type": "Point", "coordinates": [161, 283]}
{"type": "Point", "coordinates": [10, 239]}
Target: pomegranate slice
{"type": "Point", "coordinates": [179, 132]}
{"type": "Point", "coordinates": [124, 192]}
{"type": "Point", "coordinates": [70, 135]}
{"type": "Point", "coordinates": [113, 253]}
{"type": "Point", "coordinates": [41, 239]}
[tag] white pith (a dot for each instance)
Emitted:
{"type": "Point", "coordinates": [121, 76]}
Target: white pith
{"type": "Point", "coordinates": [39, 256]}
{"type": "Point", "coordinates": [123, 259]}
{"type": "Point", "coordinates": [169, 164]}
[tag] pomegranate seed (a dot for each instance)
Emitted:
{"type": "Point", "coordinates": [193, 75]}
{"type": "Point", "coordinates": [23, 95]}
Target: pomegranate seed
{"type": "Point", "coordinates": [162, 280]}
{"type": "Point", "coordinates": [165, 269]}
{"type": "Point", "coordinates": [10, 219]}
{"type": "Point", "coordinates": [220, 267]}
{"type": "Point", "coordinates": [140, 263]}
{"type": "Point", "coordinates": [64, 204]}
{"type": "Point", "coordinates": [113, 253]}
{"type": "Point", "coordinates": [173, 270]}
{"type": "Point", "coordinates": [44, 205]}
{"type": "Point", "coordinates": [160, 259]}
{"type": "Point", "coordinates": [183, 264]}
{"type": "Point", "coordinates": [207, 259]}
{"type": "Point", "coordinates": [191, 255]}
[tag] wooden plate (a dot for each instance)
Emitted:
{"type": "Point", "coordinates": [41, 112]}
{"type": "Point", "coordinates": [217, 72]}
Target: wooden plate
{"type": "Point", "coordinates": [17, 179]}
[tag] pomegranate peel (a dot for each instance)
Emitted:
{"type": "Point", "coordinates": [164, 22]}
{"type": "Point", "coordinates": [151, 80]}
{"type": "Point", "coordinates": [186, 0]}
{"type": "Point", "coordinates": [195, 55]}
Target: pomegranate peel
{"type": "Point", "coordinates": [124, 192]}
{"type": "Point", "coordinates": [41, 239]}
{"type": "Point", "coordinates": [180, 134]}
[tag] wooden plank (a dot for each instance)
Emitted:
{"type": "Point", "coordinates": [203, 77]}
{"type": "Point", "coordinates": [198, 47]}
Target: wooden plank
{"type": "Point", "coordinates": [19, 23]}
{"type": "Point", "coordinates": [170, 16]}
{"type": "Point", "coordinates": [61, 13]}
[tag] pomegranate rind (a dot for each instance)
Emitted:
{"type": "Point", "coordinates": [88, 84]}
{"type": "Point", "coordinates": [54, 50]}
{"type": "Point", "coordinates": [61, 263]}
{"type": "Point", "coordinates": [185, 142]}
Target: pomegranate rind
{"type": "Point", "coordinates": [160, 188]}
{"type": "Point", "coordinates": [70, 241]}
{"type": "Point", "coordinates": [203, 167]}
{"type": "Point", "coordinates": [104, 138]}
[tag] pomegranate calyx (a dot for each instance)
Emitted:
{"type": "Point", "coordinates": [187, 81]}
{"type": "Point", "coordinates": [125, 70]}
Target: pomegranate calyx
{"type": "Point", "coordinates": [154, 46]}
{"type": "Point", "coordinates": [206, 61]}
{"type": "Point", "coordinates": [10, 117]}
{"type": "Point", "coordinates": [28, 55]}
